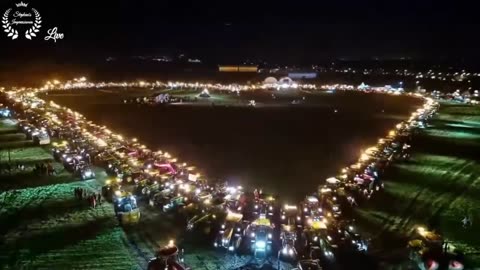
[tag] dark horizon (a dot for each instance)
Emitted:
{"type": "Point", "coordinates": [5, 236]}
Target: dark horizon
{"type": "Point", "coordinates": [282, 31]}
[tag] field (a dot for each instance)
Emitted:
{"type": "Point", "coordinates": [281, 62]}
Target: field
{"type": "Point", "coordinates": [7, 126]}
{"type": "Point", "coordinates": [437, 189]}
{"type": "Point", "coordinates": [43, 226]}
{"type": "Point", "coordinates": [10, 136]}
{"type": "Point", "coordinates": [271, 146]}
{"type": "Point", "coordinates": [278, 147]}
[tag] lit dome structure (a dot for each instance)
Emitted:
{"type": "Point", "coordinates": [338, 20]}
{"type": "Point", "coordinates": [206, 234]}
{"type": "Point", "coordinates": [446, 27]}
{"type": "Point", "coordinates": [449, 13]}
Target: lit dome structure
{"type": "Point", "coordinates": [286, 80]}
{"type": "Point", "coordinates": [285, 83]}
{"type": "Point", "coordinates": [270, 80]}
{"type": "Point", "coordinates": [282, 83]}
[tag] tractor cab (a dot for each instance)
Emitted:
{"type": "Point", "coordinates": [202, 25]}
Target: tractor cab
{"type": "Point", "coordinates": [230, 232]}
{"type": "Point", "coordinates": [430, 251]}
{"type": "Point", "coordinates": [288, 237]}
{"type": "Point", "coordinates": [125, 207]}
{"type": "Point", "coordinates": [289, 215]}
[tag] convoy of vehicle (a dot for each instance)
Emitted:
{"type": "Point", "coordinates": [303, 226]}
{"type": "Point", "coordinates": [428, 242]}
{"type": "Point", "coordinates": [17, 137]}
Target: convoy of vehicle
{"type": "Point", "coordinates": [314, 230]}
{"type": "Point", "coordinates": [126, 208]}
{"type": "Point", "coordinates": [430, 251]}
{"type": "Point", "coordinates": [260, 234]}
{"type": "Point", "coordinates": [230, 233]}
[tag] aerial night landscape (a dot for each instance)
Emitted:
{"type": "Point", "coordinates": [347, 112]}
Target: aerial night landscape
{"type": "Point", "coordinates": [172, 135]}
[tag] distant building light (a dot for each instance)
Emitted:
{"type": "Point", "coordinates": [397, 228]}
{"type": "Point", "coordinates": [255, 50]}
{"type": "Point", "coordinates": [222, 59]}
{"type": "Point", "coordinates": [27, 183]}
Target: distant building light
{"type": "Point", "coordinates": [302, 75]}
{"type": "Point", "coordinates": [190, 60]}
{"type": "Point", "coordinates": [228, 68]}
{"type": "Point", "coordinates": [248, 69]}
{"type": "Point", "coordinates": [238, 68]}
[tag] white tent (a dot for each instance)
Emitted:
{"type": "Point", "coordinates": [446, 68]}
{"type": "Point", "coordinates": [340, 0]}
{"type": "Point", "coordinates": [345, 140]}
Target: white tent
{"type": "Point", "coordinates": [270, 80]}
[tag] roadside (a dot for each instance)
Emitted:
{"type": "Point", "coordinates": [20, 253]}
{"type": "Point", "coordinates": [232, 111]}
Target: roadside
{"type": "Point", "coordinates": [438, 188]}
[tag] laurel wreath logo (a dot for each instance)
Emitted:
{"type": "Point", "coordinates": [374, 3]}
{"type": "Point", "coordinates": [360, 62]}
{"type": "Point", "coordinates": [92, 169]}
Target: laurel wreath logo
{"type": "Point", "coordinates": [36, 25]}
{"type": "Point", "coordinates": [8, 28]}
{"type": "Point", "coordinates": [13, 33]}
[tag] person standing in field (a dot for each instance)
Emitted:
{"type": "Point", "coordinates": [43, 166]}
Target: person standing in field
{"type": "Point", "coordinates": [466, 222]}
{"type": "Point", "coordinates": [94, 200]}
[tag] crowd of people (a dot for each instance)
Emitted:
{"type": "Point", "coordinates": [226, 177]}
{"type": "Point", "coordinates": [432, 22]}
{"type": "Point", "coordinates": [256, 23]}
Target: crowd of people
{"type": "Point", "coordinates": [44, 169]}
{"type": "Point", "coordinates": [92, 198]}
{"type": "Point", "coordinates": [9, 168]}
{"type": "Point", "coordinates": [38, 169]}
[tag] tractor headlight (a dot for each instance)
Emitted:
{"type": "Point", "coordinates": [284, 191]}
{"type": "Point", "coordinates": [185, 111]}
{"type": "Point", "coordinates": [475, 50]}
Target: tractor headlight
{"type": "Point", "coordinates": [260, 245]}
{"type": "Point", "coordinates": [88, 174]}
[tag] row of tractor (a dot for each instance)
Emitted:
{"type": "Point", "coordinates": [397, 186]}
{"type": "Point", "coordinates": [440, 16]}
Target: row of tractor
{"type": "Point", "coordinates": [75, 157]}
{"type": "Point", "coordinates": [32, 125]}
{"type": "Point", "coordinates": [75, 146]}
{"type": "Point", "coordinates": [320, 228]}
{"type": "Point", "coordinates": [72, 151]}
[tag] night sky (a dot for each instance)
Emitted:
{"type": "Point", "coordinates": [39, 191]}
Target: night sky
{"type": "Point", "coordinates": [287, 30]}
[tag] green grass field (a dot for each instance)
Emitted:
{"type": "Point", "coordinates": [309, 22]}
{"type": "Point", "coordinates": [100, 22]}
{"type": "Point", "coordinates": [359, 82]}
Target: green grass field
{"type": "Point", "coordinates": [7, 125]}
{"type": "Point", "coordinates": [4, 123]}
{"type": "Point", "coordinates": [46, 228]}
{"type": "Point", "coordinates": [26, 155]}
{"type": "Point", "coordinates": [43, 226]}
{"type": "Point", "coordinates": [10, 138]}
{"type": "Point", "coordinates": [437, 188]}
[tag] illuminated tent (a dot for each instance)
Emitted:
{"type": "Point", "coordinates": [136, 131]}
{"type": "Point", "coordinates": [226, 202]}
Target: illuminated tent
{"type": "Point", "coordinates": [270, 80]}
{"type": "Point", "coordinates": [285, 80]}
